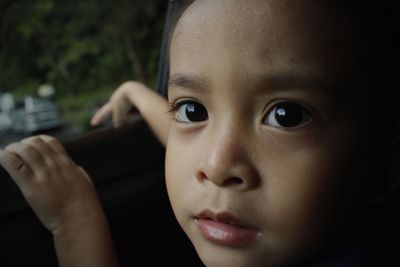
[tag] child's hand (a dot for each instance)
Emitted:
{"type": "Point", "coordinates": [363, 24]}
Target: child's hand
{"type": "Point", "coordinates": [119, 105]}
{"type": "Point", "coordinates": [60, 192]}
{"type": "Point", "coordinates": [152, 106]}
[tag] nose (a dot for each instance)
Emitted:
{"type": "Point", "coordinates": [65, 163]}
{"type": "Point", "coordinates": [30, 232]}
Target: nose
{"type": "Point", "coordinates": [227, 161]}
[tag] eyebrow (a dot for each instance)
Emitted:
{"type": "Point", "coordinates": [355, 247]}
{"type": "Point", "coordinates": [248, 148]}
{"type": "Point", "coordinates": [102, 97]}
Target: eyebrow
{"type": "Point", "coordinates": [188, 81]}
{"type": "Point", "coordinates": [293, 80]}
{"type": "Point", "coordinates": [287, 80]}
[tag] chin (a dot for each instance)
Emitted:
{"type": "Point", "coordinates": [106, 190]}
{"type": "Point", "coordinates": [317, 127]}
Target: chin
{"type": "Point", "coordinates": [222, 260]}
{"type": "Point", "coordinates": [219, 256]}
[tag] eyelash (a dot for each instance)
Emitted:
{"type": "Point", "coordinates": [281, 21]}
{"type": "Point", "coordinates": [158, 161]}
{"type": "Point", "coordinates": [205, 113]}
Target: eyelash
{"type": "Point", "coordinates": [175, 106]}
{"type": "Point", "coordinates": [191, 106]}
{"type": "Point", "coordinates": [306, 116]}
{"type": "Point", "coordinates": [297, 114]}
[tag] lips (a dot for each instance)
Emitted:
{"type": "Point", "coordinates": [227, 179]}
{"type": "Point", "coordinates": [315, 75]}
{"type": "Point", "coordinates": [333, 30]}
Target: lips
{"type": "Point", "coordinates": [224, 228]}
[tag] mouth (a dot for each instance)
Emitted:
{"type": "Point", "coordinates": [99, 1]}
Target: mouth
{"type": "Point", "coordinates": [225, 229]}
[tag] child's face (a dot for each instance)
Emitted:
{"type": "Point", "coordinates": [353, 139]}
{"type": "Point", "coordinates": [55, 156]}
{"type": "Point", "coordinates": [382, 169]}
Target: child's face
{"type": "Point", "coordinates": [262, 151]}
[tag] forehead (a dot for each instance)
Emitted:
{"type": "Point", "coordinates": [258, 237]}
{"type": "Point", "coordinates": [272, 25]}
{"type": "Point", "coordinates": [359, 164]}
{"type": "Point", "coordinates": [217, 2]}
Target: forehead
{"type": "Point", "coordinates": [258, 36]}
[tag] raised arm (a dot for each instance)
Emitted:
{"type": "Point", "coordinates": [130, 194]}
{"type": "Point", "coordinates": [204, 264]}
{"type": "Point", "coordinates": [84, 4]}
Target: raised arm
{"type": "Point", "coordinates": [152, 106]}
{"type": "Point", "coordinates": [64, 199]}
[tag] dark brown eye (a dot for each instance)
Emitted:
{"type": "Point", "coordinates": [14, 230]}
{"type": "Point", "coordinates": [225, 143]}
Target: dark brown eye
{"type": "Point", "coordinates": [287, 115]}
{"type": "Point", "coordinates": [190, 112]}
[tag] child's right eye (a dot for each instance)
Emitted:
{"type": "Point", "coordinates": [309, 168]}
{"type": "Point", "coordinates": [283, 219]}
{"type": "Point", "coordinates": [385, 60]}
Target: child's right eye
{"type": "Point", "coordinates": [189, 111]}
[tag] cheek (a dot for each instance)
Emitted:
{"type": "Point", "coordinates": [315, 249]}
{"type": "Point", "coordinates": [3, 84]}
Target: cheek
{"type": "Point", "coordinates": [178, 173]}
{"type": "Point", "coordinates": [306, 191]}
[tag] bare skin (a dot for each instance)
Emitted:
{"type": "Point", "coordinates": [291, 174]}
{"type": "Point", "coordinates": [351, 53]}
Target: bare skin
{"type": "Point", "coordinates": [64, 198]}
{"type": "Point", "coordinates": [151, 105]}
{"type": "Point", "coordinates": [289, 187]}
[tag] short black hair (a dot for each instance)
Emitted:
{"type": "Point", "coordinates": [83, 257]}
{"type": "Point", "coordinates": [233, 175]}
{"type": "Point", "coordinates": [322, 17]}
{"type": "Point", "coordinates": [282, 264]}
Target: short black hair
{"type": "Point", "coordinates": [175, 11]}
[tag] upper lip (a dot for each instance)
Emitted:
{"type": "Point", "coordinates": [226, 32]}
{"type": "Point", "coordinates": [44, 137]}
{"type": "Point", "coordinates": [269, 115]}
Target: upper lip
{"type": "Point", "coordinates": [223, 217]}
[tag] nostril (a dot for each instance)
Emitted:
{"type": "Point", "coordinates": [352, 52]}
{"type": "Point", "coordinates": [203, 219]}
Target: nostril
{"type": "Point", "coordinates": [233, 181]}
{"type": "Point", "coordinates": [202, 176]}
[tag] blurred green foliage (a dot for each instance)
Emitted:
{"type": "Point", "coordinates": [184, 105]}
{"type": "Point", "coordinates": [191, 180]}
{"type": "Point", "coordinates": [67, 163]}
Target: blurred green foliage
{"type": "Point", "coordinates": [80, 47]}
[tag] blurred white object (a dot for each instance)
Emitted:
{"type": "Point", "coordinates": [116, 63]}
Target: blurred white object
{"type": "Point", "coordinates": [46, 90]}
{"type": "Point", "coordinates": [5, 122]}
{"type": "Point", "coordinates": [6, 103]}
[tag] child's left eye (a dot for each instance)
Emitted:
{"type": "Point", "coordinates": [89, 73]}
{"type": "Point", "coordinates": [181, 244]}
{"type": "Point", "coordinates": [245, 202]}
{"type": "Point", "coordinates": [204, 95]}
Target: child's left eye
{"type": "Point", "coordinates": [287, 114]}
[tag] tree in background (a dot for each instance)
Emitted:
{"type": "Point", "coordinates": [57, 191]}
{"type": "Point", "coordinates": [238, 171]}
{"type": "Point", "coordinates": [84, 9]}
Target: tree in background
{"type": "Point", "coordinates": [79, 46]}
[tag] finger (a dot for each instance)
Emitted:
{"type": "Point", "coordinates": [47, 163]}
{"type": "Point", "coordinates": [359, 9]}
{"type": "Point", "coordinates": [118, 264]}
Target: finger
{"type": "Point", "coordinates": [54, 144]}
{"type": "Point", "coordinates": [119, 112]}
{"type": "Point", "coordinates": [59, 150]}
{"type": "Point", "coordinates": [41, 146]}
{"type": "Point", "coordinates": [29, 155]}
{"type": "Point", "coordinates": [116, 117]}
{"type": "Point", "coordinates": [16, 168]}
{"type": "Point", "coordinates": [51, 150]}
{"type": "Point", "coordinates": [103, 113]}
{"type": "Point", "coordinates": [53, 156]}
{"type": "Point", "coordinates": [85, 174]}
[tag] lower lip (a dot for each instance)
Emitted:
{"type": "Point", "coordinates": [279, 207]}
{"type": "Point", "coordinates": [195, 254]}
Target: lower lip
{"type": "Point", "coordinates": [226, 234]}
